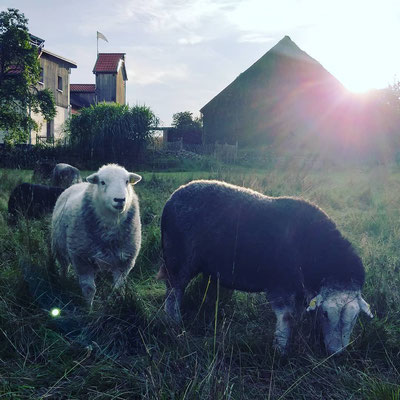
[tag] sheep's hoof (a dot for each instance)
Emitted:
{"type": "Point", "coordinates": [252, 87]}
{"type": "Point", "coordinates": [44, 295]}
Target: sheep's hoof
{"type": "Point", "coordinates": [280, 348]}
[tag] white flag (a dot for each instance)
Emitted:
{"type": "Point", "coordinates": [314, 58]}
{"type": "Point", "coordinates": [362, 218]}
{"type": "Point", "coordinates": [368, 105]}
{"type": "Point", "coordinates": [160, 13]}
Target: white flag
{"type": "Point", "coordinates": [101, 36]}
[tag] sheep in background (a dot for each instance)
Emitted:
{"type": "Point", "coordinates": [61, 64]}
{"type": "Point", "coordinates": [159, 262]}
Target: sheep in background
{"type": "Point", "coordinates": [42, 171]}
{"type": "Point", "coordinates": [32, 201]}
{"type": "Point", "coordinates": [284, 246]}
{"type": "Point", "coordinates": [65, 175]}
{"type": "Point", "coordinates": [96, 226]}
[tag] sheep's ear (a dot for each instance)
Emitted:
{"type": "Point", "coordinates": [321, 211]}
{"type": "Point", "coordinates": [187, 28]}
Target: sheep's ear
{"type": "Point", "coordinates": [94, 178]}
{"type": "Point", "coordinates": [134, 178]}
{"type": "Point", "coordinates": [315, 302]}
{"type": "Point", "coordinates": [364, 306]}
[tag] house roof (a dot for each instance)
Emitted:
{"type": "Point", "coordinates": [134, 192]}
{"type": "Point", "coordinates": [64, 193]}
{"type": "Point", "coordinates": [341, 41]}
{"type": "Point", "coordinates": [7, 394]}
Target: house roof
{"type": "Point", "coordinates": [70, 64]}
{"type": "Point", "coordinates": [38, 42]}
{"type": "Point", "coordinates": [108, 62]}
{"type": "Point", "coordinates": [82, 87]}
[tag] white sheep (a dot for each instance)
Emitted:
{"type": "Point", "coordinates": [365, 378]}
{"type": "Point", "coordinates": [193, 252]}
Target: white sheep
{"type": "Point", "coordinates": [96, 226]}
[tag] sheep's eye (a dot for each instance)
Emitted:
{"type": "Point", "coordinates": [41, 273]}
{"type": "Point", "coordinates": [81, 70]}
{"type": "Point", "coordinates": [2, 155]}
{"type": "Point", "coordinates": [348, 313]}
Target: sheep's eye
{"type": "Point", "coordinates": [127, 182]}
{"type": "Point", "coordinates": [102, 182]}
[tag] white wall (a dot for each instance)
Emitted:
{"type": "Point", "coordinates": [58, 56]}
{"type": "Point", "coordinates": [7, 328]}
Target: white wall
{"type": "Point", "coordinates": [59, 120]}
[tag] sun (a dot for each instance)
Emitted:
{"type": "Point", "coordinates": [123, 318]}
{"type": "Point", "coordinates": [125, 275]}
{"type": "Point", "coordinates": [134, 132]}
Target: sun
{"type": "Point", "coordinates": [360, 79]}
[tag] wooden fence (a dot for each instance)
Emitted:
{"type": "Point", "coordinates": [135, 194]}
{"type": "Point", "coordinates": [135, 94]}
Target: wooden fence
{"type": "Point", "coordinates": [223, 152]}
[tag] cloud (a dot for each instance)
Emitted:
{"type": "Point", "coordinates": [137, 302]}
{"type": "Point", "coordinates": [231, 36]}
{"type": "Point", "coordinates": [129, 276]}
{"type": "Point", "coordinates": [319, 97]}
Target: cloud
{"type": "Point", "coordinates": [255, 38]}
{"type": "Point", "coordinates": [194, 39]}
{"type": "Point", "coordinates": [146, 74]}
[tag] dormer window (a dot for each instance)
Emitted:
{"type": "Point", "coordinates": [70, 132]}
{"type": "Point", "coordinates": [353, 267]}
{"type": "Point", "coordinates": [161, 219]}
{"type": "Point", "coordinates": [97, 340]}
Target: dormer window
{"type": "Point", "coordinates": [60, 84]}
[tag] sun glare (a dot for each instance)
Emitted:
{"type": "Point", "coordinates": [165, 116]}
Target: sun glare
{"type": "Point", "coordinates": [359, 73]}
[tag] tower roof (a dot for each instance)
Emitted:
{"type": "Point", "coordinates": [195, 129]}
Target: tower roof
{"type": "Point", "coordinates": [108, 62]}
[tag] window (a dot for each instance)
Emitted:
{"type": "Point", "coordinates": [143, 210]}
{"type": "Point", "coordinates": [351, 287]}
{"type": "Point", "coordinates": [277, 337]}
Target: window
{"type": "Point", "coordinates": [41, 76]}
{"type": "Point", "coordinates": [50, 131]}
{"type": "Point", "coordinates": [60, 83]}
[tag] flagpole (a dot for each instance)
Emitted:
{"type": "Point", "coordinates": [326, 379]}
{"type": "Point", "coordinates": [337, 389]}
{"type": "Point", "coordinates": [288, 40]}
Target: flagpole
{"type": "Point", "coordinates": [97, 35]}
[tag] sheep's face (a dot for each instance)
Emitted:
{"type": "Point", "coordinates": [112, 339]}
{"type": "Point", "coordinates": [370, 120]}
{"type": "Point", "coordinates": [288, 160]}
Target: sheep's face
{"type": "Point", "coordinates": [338, 312]}
{"type": "Point", "coordinates": [113, 187]}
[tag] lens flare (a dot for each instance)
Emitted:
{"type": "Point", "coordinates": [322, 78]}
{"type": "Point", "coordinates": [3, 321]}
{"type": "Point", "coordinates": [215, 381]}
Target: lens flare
{"type": "Point", "coordinates": [55, 312]}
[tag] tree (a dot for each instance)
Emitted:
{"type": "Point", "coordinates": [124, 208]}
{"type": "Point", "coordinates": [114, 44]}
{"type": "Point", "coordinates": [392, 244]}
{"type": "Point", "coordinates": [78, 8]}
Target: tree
{"type": "Point", "coordinates": [187, 127]}
{"type": "Point", "coordinates": [19, 75]}
{"type": "Point", "coordinates": [111, 132]}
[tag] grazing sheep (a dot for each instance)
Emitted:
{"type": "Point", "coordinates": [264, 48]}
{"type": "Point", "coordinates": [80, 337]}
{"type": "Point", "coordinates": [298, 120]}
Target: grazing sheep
{"type": "Point", "coordinates": [96, 226]}
{"type": "Point", "coordinates": [65, 175]}
{"type": "Point", "coordinates": [283, 246]}
{"type": "Point", "coordinates": [42, 171]}
{"type": "Point", "coordinates": [32, 201]}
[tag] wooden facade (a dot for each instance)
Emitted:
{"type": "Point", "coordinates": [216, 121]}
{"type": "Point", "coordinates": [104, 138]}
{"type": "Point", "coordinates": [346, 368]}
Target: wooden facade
{"type": "Point", "coordinates": [56, 72]}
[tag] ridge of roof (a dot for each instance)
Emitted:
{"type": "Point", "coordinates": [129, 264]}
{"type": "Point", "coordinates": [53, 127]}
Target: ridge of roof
{"type": "Point", "coordinates": [71, 63]}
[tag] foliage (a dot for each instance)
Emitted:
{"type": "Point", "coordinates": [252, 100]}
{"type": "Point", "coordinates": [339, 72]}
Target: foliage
{"type": "Point", "coordinates": [111, 132]}
{"type": "Point", "coordinates": [186, 127]}
{"type": "Point", "coordinates": [19, 75]}
{"type": "Point", "coordinates": [126, 349]}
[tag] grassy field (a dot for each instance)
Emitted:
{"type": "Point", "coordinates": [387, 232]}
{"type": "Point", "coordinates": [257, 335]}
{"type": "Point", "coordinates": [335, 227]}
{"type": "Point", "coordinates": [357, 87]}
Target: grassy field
{"type": "Point", "coordinates": [126, 349]}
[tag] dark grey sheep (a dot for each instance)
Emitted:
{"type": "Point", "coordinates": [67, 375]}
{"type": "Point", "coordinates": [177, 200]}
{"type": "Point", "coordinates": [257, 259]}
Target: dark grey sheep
{"type": "Point", "coordinates": [286, 247]}
{"type": "Point", "coordinates": [65, 175]}
{"type": "Point", "coordinates": [42, 171]}
{"type": "Point", "coordinates": [32, 201]}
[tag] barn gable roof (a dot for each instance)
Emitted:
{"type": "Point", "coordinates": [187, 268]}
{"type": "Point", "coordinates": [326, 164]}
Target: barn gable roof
{"type": "Point", "coordinates": [271, 68]}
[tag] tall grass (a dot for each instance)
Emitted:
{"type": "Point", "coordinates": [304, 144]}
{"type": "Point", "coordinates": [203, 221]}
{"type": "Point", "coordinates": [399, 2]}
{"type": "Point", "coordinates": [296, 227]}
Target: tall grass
{"type": "Point", "coordinates": [127, 349]}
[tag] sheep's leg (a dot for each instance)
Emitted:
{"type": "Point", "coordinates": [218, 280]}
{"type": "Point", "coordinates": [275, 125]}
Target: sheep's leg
{"type": "Point", "coordinates": [64, 266]}
{"type": "Point", "coordinates": [283, 312]}
{"type": "Point", "coordinates": [63, 261]}
{"type": "Point", "coordinates": [119, 281]}
{"type": "Point", "coordinates": [119, 278]}
{"type": "Point", "coordinates": [173, 303]}
{"type": "Point", "coordinates": [86, 276]}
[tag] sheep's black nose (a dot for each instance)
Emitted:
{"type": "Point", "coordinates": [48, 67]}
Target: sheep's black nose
{"type": "Point", "coordinates": [119, 200]}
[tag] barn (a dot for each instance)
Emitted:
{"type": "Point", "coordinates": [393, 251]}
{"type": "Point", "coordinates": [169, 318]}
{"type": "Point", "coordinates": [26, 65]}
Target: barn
{"type": "Point", "coordinates": [288, 98]}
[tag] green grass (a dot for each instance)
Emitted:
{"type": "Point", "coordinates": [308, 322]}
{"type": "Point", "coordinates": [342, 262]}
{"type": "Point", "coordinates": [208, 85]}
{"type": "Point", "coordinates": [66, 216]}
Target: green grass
{"type": "Point", "coordinates": [126, 349]}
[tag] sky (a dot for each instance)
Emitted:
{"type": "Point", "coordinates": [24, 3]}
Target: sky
{"type": "Point", "coordinates": [182, 53]}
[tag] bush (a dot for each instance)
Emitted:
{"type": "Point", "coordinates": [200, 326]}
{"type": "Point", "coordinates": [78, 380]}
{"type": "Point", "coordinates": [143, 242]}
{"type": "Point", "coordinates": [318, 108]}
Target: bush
{"type": "Point", "coordinates": [111, 132]}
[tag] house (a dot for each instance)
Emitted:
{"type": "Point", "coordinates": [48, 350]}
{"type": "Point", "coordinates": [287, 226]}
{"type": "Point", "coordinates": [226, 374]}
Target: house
{"type": "Point", "coordinates": [54, 75]}
{"type": "Point", "coordinates": [110, 85]}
